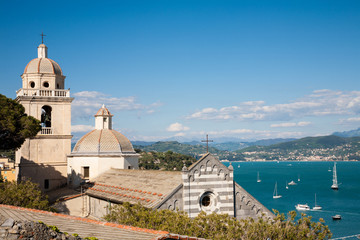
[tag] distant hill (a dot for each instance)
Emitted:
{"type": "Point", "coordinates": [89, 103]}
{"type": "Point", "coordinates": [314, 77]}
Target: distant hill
{"type": "Point", "coordinates": [351, 133]}
{"type": "Point", "coordinates": [325, 147]}
{"type": "Point", "coordinates": [195, 150]}
{"type": "Point", "coordinates": [142, 143]}
{"type": "Point", "coordinates": [268, 142]}
{"type": "Point", "coordinates": [305, 143]}
{"type": "Point", "coordinates": [233, 145]}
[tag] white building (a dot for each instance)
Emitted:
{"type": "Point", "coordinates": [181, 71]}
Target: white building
{"type": "Point", "coordinates": [100, 150]}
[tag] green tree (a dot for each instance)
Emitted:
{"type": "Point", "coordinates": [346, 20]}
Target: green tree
{"type": "Point", "coordinates": [15, 125]}
{"type": "Point", "coordinates": [170, 161]}
{"type": "Point", "coordinates": [23, 194]}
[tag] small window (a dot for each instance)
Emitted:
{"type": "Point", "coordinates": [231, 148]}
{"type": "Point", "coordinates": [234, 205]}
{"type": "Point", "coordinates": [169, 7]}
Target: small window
{"type": "Point", "coordinates": [46, 183]}
{"type": "Point", "coordinates": [46, 84]}
{"type": "Point", "coordinates": [86, 172]}
{"type": "Point", "coordinates": [5, 177]}
{"type": "Point", "coordinates": [57, 86]}
{"type": "Point", "coordinates": [205, 201]}
{"type": "Point", "coordinates": [129, 167]}
{"type": "Point", "coordinates": [32, 84]}
{"type": "Point", "coordinates": [5, 172]}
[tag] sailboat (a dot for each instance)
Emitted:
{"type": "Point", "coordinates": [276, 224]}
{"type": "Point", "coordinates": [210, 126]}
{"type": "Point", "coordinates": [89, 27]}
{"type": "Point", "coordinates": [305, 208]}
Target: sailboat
{"type": "Point", "coordinates": [316, 207]}
{"type": "Point", "coordinates": [292, 183]}
{"type": "Point", "coordinates": [335, 185]}
{"type": "Point", "coordinates": [298, 177]}
{"type": "Point", "coordinates": [287, 187]}
{"type": "Point", "coordinates": [275, 194]}
{"type": "Point", "coordinates": [258, 177]}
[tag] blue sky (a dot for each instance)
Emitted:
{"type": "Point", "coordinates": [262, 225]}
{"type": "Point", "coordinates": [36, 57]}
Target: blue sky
{"type": "Point", "coordinates": [231, 69]}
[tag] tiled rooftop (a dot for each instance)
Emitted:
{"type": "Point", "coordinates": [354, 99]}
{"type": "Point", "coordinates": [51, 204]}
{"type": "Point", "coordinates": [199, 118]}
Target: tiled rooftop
{"type": "Point", "coordinates": [145, 186]}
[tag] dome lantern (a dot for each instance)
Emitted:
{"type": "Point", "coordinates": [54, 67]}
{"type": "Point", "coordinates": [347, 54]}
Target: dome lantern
{"type": "Point", "coordinates": [42, 51]}
{"type": "Point", "coordinates": [103, 119]}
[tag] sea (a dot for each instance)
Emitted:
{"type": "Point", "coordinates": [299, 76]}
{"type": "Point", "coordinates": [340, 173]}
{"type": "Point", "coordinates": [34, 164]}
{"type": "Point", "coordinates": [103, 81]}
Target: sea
{"type": "Point", "coordinates": [311, 178]}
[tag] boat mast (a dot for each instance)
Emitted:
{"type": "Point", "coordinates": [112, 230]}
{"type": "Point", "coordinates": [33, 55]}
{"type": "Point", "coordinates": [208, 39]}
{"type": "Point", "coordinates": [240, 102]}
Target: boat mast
{"type": "Point", "coordinates": [335, 176]}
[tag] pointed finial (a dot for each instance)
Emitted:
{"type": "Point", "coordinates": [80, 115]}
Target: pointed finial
{"type": "Point", "coordinates": [184, 169]}
{"type": "Point", "coordinates": [231, 167]}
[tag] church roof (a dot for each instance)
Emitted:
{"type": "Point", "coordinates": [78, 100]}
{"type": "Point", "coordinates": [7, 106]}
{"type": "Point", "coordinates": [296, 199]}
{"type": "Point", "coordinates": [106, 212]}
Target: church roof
{"type": "Point", "coordinates": [43, 65]}
{"type": "Point", "coordinates": [104, 141]}
{"type": "Point", "coordinates": [149, 187]}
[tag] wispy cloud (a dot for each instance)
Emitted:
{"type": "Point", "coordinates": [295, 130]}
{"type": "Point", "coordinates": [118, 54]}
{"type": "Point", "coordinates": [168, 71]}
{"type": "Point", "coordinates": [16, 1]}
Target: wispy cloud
{"type": "Point", "coordinates": [87, 103]}
{"type": "Point", "coordinates": [350, 120]}
{"type": "Point", "coordinates": [291, 124]}
{"type": "Point", "coordinates": [81, 128]}
{"type": "Point", "coordinates": [319, 103]}
{"type": "Point", "coordinates": [177, 127]}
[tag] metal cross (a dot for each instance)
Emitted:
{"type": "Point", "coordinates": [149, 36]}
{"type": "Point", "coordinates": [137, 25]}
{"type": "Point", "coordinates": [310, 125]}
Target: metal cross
{"type": "Point", "coordinates": [42, 37]}
{"type": "Point", "coordinates": [207, 143]}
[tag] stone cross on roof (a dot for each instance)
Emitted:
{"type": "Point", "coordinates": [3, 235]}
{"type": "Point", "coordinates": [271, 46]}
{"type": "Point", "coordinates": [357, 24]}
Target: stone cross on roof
{"type": "Point", "coordinates": [42, 37]}
{"type": "Point", "coordinates": [207, 143]}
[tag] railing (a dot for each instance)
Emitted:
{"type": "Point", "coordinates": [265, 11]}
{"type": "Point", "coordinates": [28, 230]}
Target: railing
{"type": "Point", "coordinates": [43, 93]}
{"type": "Point", "coordinates": [46, 131]}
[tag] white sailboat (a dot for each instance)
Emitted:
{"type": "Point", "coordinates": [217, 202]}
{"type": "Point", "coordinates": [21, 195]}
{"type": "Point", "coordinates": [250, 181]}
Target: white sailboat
{"type": "Point", "coordinates": [316, 207]}
{"type": "Point", "coordinates": [298, 177]}
{"type": "Point", "coordinates": [287, 187]}
{"type": "Point", "coordinates": [275, 194]}
{"type": "Point", "coordinates": [292, 183]}
{"type": "Point", "coordinates": [258, 177]}
{"type": "Point", "coordinates": [335, 185]}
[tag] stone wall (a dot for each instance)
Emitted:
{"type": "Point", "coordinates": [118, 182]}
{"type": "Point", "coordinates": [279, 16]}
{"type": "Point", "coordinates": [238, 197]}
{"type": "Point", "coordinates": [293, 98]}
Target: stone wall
{"type": "Point", "coordinates": [11, 230]}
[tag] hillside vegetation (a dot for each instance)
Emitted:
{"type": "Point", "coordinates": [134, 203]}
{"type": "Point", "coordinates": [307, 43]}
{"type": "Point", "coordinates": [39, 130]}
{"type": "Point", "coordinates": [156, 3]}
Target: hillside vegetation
{"type": "Point", "coordinates": [169, 160]}
{"type": "Point", "coordinates": [192, 150]}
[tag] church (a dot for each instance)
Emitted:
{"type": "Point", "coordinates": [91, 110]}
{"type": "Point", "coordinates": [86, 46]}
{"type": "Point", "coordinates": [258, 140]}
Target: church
{"type": "Point", "coordinates": [104, 164]}
{"type": "Point", "coordinates": [99, 150]}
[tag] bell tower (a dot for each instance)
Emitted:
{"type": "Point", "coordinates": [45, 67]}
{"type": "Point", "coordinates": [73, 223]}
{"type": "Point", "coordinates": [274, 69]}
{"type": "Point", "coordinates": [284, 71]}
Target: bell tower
{"type": "Point", "coordinates": [43, 158]}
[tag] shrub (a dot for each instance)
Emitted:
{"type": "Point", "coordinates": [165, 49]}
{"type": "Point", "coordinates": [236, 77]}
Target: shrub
{"type": "Point", "coordinates": [220, 226]}
{"type": "Point", "coordinates": [23, 194]}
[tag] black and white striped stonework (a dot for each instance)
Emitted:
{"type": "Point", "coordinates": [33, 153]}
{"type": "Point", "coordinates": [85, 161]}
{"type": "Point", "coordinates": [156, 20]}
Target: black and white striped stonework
{"type": "Point", "coordinates": [208, 186]}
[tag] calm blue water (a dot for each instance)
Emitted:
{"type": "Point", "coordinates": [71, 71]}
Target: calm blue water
{"type": "Point", "coordinates": [314, 178]}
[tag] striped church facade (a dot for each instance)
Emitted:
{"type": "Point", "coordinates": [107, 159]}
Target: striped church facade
{"type": "Point", "coordinates": [209, 186]}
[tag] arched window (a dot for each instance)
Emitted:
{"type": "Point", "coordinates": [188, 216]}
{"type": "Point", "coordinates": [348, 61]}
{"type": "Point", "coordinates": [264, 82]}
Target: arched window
{"type": "Point", "coordinates": [46, 116]}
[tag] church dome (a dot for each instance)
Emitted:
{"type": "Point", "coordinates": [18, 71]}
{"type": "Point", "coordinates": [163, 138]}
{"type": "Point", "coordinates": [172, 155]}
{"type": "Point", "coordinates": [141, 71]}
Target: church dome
{"type": "Point", "coordinates": [104, 141]}
{"type": "Point", "coordinates": [43, 64]}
